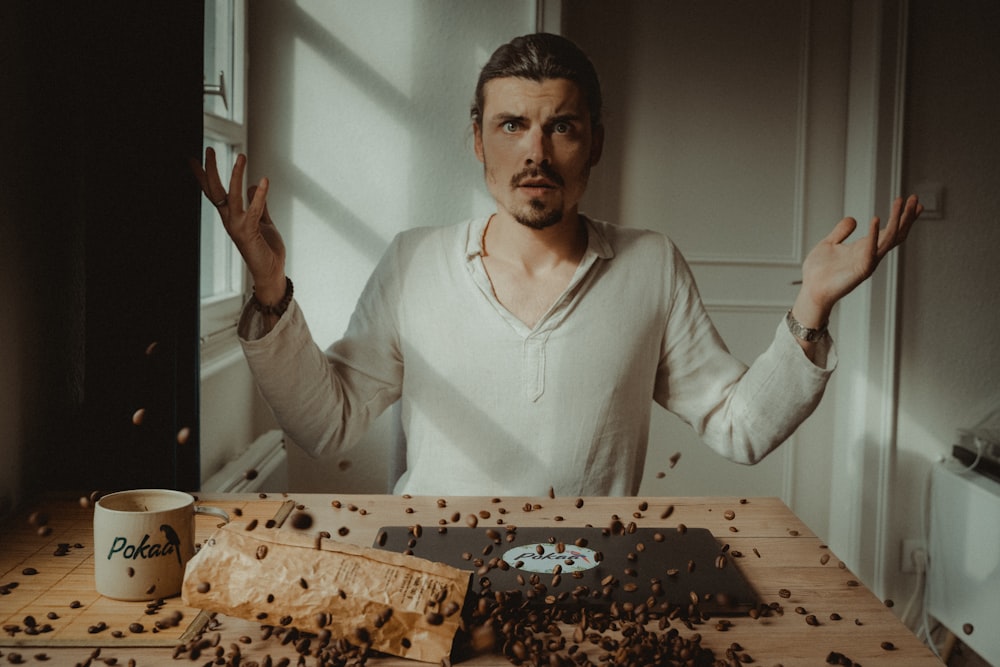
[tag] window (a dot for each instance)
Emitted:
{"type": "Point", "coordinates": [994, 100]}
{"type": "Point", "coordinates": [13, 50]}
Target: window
{"type": "Point", "coordinates": [223, 281]}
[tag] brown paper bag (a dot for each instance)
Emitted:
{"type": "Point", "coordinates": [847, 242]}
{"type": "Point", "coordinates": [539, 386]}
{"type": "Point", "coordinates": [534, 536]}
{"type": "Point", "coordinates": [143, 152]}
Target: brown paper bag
{"type": "Point", "coordinates": [399, 603]}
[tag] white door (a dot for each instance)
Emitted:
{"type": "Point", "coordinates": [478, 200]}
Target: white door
{"type": "Point", "coordinates": [726, 130]}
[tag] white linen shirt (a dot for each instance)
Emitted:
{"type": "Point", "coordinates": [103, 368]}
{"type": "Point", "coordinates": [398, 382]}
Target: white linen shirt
{"type": "Point", "coordinates": [491, 406]}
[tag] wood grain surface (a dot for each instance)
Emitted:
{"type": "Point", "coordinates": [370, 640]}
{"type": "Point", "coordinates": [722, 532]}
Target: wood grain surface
{"type": "Point", "coordinates": [779, 556]}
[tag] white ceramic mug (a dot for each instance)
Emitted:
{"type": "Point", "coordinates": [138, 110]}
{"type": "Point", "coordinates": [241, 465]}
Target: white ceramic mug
{"type": "Point", "coordinates": [143, 539]}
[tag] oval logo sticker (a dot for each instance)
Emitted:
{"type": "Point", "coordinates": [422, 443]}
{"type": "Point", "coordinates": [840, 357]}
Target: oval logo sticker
{"type": "Point", "coordinates": [542, 558]}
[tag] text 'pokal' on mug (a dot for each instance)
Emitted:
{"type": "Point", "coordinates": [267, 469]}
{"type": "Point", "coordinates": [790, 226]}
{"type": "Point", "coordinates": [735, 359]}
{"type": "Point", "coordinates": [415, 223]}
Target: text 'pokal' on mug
{"type": "Point", "coordinates": [143, 540]}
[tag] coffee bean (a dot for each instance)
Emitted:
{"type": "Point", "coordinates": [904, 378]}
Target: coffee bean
{"type": "Point", "coordinates": [434, 618]}
{"type": "Point", "coordinates": [667, 512]}
{"type": "Point", "coordinates": [824, 559]}
{"type": "Point", "coordinates": [674, 458]}
{"type": "Point", "coordinates": [136, 628]}
{"type": "Point", "coordinates": [130, 572]}
{"type": "Point", "coordinates": [29, 571]}
{"type": "Point", "coordinates": [812, 620]}
{"type": "Point", "coordinates": [967, 628]}
{"type": "Point", "coordinates": [250, 474]}
{"type": "Point", "coordinates": [729, 515]}
{"type": "Point", "coordinates": [472, 521]}
{"type": "Point", "coordinates": [343, 531]}
{"type": "Point", "coordinates": [888, 646]}
{"type": "Point", "coordinates": [261, 552]}
{"type": "Point", "coordinates": [302, 521]}
{"type": "Point", "coordinates": [784, 593]}
{"type": "Point", "coordinates": [204, 587]}
{"type": "Point", "coordinates": [251, 525]}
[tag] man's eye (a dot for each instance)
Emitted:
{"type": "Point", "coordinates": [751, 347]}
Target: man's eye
{"type": "Point", "coordinates": [561, 128]}
{"type": "Point", "coordinates": [511, 126]}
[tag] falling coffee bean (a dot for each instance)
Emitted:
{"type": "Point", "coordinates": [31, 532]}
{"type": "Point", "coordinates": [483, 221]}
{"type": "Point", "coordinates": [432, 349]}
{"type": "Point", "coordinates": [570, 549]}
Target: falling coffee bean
{"type": "Point", "coordinates": [204, 587]}
{"type": "Point", "coordinates": [302, 521]}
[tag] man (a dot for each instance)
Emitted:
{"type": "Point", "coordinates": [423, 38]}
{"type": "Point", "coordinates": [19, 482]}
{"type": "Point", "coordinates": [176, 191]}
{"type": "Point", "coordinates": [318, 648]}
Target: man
{"type": "Point", "coordinates": [527, 347]}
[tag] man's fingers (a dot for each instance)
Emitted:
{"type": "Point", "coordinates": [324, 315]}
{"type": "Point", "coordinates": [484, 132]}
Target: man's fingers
{"type": "Point", "coordinates": [842, 230]}
{"type": "Point", "coordinates": [257, 194]}
{"type": "Point", "coordinates": [236, 184]}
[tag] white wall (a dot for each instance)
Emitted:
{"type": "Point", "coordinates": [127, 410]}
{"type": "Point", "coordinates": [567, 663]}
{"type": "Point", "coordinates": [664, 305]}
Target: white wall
{"type": "Point", "coordinates": [359, 115]}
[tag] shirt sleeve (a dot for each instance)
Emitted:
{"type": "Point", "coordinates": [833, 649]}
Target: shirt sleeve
{"type": "Point", "coordinates": [742, 412]}
{"type": "Point", "coordinates": [326, 400]}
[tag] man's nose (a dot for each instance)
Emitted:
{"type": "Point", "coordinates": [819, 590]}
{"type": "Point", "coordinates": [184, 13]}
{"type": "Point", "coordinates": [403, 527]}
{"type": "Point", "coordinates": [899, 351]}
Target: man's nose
{"type": "Point", "coordinates": [539, 146]}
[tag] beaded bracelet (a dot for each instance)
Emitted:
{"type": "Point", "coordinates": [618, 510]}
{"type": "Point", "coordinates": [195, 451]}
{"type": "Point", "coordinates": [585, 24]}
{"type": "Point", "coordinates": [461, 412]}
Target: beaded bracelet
{"type": "Point", "coordinates": [279, 309]}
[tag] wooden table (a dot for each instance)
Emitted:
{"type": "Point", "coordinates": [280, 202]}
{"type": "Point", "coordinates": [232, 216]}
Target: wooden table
{"type": "Point", "coordinates": [778, 552]}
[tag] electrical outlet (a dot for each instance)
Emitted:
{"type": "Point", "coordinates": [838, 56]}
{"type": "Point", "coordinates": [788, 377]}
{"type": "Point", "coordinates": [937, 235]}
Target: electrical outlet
{"type": "Point", "coordinates": [911, 552]}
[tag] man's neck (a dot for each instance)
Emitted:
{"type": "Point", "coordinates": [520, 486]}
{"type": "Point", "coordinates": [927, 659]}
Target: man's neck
{"type": "Point", "coordinates": [535, 249]}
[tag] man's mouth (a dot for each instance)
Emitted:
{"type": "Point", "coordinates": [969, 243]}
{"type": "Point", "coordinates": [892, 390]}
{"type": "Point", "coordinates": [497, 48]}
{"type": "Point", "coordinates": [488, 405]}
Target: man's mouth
{"type": "Point", "coordinates": [533, 180]}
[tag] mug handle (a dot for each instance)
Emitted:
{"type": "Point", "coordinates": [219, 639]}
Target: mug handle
{"type": "Point", "coordinates": [213, 511]}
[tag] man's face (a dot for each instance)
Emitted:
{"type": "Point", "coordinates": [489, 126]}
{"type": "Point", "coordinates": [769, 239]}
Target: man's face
{"type": "Point", "coordinates": [537, 146]}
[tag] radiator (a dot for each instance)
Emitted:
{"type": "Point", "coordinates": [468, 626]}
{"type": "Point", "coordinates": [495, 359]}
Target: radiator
{"type": "Point", "coordinates": [262, 467]}
{"type": "Point", "coordinates": [964, 578]}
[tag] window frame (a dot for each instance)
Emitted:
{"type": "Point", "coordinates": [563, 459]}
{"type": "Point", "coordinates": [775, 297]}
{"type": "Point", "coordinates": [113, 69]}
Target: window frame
{"type": "Point", "coordinates": [220, 310]}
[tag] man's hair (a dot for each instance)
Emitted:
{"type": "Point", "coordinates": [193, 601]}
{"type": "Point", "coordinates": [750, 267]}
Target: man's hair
{"type": "Point", "coordinates": [539, 57]}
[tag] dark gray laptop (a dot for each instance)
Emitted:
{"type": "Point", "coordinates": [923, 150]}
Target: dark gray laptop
{"type": "Point", "coordinates": [660, 567]}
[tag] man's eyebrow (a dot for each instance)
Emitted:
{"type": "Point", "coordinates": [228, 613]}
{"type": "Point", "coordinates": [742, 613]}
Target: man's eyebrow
{"type": "Point", "coordinates": [565, 118]}
{"type": "Point", "coordinates": [505, 116]}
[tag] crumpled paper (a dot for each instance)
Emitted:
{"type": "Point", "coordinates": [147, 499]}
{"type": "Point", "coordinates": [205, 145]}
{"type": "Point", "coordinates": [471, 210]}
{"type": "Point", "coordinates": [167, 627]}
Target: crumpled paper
{"type": "Point", "coordinates": [402, 605]}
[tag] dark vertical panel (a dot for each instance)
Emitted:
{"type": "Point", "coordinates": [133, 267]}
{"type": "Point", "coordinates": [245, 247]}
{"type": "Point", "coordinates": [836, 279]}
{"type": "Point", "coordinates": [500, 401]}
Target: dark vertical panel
{"type": "Point", "coordinates": [114, 98]}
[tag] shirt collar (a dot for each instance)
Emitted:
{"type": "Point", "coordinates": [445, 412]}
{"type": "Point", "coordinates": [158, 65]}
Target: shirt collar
{"type": "Point", "coordinates": [598, 243]}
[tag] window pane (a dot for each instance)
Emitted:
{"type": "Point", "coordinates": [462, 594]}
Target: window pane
{"type": "Point", "coordinates": [221, 269]}
{"type": "Point", "coordinates": [220, 57]}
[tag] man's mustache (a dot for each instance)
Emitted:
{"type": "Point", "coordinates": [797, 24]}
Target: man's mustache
{"type": "Point", "coordinates": [541, 171]}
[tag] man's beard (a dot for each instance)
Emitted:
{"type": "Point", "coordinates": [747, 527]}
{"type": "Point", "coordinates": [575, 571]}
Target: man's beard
{"type": "Point", "coordinates": [538, 216]}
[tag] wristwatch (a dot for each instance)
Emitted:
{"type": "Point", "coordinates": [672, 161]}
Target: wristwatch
{"type": "Point", "coordinates": [803, 332]}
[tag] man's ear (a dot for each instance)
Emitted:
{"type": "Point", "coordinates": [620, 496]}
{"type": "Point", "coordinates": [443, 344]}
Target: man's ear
{"type": "Point", "coordinates": [596, 145]}
{"type": "Point", "coordinates": [477, 133]}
